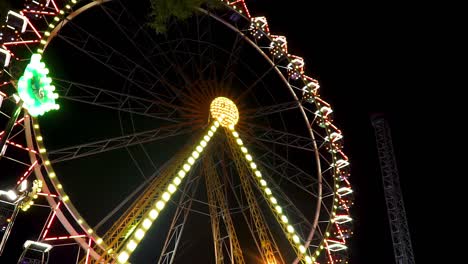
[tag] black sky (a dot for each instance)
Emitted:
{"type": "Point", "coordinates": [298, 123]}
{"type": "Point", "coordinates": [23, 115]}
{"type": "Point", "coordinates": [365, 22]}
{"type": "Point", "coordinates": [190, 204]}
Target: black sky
{"type": "Point", "coordinates": [368, 59]}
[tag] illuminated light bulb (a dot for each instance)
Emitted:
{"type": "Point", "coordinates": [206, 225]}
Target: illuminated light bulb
{"type": "Point", "coordinates": [224, 111]}
{"type": "Point", "coordinates": [296, 239]}
{"type": "Point", "coordinates": [244, 149]}
{"type": "Point", "coordinates": [47, 33]}
{"type": "Point", "coordinates": [123, 257]}
{"type": "Point", "coordinates": [62, 12]}
{"type": "Point", "coordinates": [239, 142]}
{"type": "Point", "coordinates": [160, 205]}
{"type": "Point", "coordinates": [308, 259]}
{"type": "Point", "coordinates": [171, 188]}
{"type": "Point", "coordinates": [67, 6]}
{"type": "Point", "coordinates": [56, 19]}
{"type": "Point", "coordinates": [235, 134]}
{"type": "Point", "coordinates": [177, 181]}
{"type": "Point", "coordinates": [80, 221]}
{"type": "Point", "coordinates": [191, 160]}
{"type": "Point", "coordinates": [131, 246]}
{"type": "Point", "coordinates": [65, 198]}
{"type": "Point", "coordinates": [248, 157]}
{"type": "Point", "coordinates": [139, 234]}
{"type": "Point", "coordinates": [231, 127]}
{"type": "Point", "coordinates": [203, 143]}
{"type": "Point", "coordinates": [213, 128]}
{"type": "Point", "coordinates": [268, 191]}
{"type": "Point", "coordinates": [284, 219]}
{"type": "Point", "coordinates": [258, 173]}
{"type": "Point", "coordinates": [147, 224]}
{"type": "Point", "coordinates": [99, 241]}
{"type": "Point", "coordinates": [153, 214]}
{"type": "Point", "coordinates": [216, 123]}
{"type": "Point", "coordinates": [206, 138]}
{"type": "Point", "coordinates": [90, 231]}
{"type": "Point", "coordinates": [210, 133]}
{"type": "Point", "coordinates": [290, 229]}
{"type": "Point", "coordinates": [253, 165]}
{"type": "Point", "coordinates": [186, 167]}
{"type": "Point", "coordinates": [52, 174]}
{"type": "Point", "coordinates": [263, 182]}
{"type": "Point", "coordinates": [195, 154]}
{"type": "Point", "coordinates": [166, 196]}
{"type": "Point", "coordinates": [59, 186]}
{"type": "Point", "coordinates": [39, 138]}
{"type": "Point", "coordinates": [199, 149]}
{"type": "Point", "coordinates": [302, 249]}
{"type": "Point", "coordinates": [278, 209]}
{"type": "Point", "coordinates": [181, 174]}
{"type": "Point", "coordinates": [273, 200]}
{"type": "Point", "coordinates": [42, 150]}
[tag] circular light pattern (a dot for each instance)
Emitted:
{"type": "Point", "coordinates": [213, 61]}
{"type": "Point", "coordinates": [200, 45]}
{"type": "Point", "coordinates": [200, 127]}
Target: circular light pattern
{"type": "Point", "coordinates": [35, 90]}
{"type": "Point", "coordinates": [224, 110]}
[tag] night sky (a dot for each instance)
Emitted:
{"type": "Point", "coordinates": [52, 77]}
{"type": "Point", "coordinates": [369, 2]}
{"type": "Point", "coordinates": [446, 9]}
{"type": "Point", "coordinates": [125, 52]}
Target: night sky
{"type": "Point", "coordinates": [367, 59]}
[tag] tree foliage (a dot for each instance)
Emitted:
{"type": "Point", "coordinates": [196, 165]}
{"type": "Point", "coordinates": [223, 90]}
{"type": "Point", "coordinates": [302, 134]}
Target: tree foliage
{"type": "Point", "coordinates": [164, 10]}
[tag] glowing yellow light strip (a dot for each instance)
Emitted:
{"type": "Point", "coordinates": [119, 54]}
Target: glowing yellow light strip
{"type": "Point", "coordinates": [277, 210]}
{"type": "Point", "coordinates": [145, 224]}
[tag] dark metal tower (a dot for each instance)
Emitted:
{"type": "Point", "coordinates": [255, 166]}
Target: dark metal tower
{"type": "Point", "coordinates": [395, 207]}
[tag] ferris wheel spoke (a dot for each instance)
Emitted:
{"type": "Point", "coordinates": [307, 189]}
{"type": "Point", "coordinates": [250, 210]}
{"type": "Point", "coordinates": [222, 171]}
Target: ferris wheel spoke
{"type": "Point", "coordinates": [289, 172]}
{"type": "Point", "coordinates": [98, 147]}
{"type": "Point", "coordinates": [97, 96]}
{"type": "Point", "coordinates": [233, 57]}
{"type": "Point", "coordinates": [286, 170]}
{"type": "Point", "coordinates": [258, 80]}
{"type": "Point", "coordinates": [279, 137]}
{"type": "Point", "coordinates": [177, 227]}
{"type": "Point", "coordinates": [207, 65]}
{"type": "Point", "coordinates": [277, 210]}
{"type": "Point", "coordinates": [271, 109]}
{"type": "Point", "coordinates": [138, 32]}
{"type": "Point", "coordinates": [118, 63]}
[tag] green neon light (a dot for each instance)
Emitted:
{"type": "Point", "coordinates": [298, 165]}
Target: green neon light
{"type": "Point", "coordinates": [35, 88]}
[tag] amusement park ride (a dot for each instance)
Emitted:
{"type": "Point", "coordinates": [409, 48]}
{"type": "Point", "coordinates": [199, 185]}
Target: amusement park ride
{"type": "Point", "coordinates": [260, 158]}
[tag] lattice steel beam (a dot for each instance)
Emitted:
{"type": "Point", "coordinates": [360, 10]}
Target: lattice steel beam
{"type": "Point", "coordinates": [100, 97]}
{"type": "Point", "coordinates": [267, 244]}
{"type": "Point", "coordinates": [83, 150]}
{"type": "Point", "coordinates": [394, 199]}
{"type": "Point", "coordinates": [216, 195]}
{"type": "Point", "coordinates": [117, 235]}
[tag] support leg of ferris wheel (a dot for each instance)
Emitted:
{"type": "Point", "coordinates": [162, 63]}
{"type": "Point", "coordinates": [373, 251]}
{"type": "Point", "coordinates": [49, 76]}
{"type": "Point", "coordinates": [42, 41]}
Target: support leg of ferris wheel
{"type": "Point", "coordinates": [217, 199]}
{"type": "Point", "coordinates": [225, 113]}
{"type": "Point", "coordinates": [172, 242]}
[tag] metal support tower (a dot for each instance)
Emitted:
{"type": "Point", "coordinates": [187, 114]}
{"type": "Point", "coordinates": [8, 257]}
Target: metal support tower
{"type": "Point", "coordinates": [395, 207]}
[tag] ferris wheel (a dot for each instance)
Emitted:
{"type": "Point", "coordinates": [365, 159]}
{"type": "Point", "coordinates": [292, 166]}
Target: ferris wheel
{"type": "Point", "coordinates": [207, 143]}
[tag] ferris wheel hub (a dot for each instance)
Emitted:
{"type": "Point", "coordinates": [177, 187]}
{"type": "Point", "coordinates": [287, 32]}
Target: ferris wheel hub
{"type": "Point", "coordinates": [225, 111]}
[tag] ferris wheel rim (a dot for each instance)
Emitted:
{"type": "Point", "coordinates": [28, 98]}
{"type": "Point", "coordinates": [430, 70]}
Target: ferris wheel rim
{"type": "Point", "coordinates": [308, 124]}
